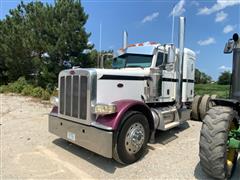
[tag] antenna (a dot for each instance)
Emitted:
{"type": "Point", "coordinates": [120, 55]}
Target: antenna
{"type": "Point", "coordinates": [173, 17]}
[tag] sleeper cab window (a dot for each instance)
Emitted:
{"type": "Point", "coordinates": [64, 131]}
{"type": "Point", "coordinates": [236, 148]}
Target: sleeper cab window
{"type": "Point", "coordinates": [161, 58]}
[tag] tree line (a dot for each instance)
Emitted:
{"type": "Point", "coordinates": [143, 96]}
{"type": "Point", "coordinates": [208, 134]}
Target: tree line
{"type": "Point", "coordinates": [203, 78]}
{"type": "Point", "coordinates": [38, 40]}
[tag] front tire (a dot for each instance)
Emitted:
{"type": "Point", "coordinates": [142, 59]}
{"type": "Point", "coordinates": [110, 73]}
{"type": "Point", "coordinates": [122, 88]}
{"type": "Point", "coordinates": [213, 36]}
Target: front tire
{"type": "Point", "coordinates": [132, 138]}
{"type": "Point", "coordinates": [216, 159]}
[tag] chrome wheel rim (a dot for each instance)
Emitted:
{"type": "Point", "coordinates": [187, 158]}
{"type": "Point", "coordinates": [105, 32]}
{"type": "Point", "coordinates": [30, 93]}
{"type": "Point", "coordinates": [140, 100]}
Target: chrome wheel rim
{"type": "Point", "coordinates": [134, 138]}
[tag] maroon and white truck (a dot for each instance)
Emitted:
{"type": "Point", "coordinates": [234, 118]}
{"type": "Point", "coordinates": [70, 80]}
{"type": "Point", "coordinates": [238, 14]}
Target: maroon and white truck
{"type": "Point", "coordinates": [116, 112]}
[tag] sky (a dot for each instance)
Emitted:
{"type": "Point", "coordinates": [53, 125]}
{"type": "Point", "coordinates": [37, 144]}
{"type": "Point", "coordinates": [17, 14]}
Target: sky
{"type": "Point", "coordinates": [209, 25]}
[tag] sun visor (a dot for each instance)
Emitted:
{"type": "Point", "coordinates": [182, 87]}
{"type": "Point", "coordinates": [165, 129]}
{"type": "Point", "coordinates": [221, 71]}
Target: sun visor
{"type": "Point", "coordinates": [144, 50]}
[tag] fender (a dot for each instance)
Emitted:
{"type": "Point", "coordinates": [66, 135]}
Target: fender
{"type": "Point", "coordinates": [54, 110]}
{"type": "Point", "coordinates": [226, 102]}
{"type": "Point", "coordinates": [233, 103]}
{"type": "Point", "coordinates": [123, 106]}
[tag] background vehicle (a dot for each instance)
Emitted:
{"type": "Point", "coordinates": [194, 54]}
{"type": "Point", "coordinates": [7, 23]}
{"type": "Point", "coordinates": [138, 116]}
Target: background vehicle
{"type": "Point", "coordinates": [220, 133]}
{"type": "Point", "coordinates": [115, 112]}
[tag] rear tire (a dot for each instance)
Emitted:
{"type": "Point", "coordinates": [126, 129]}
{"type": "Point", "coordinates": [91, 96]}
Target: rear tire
{"type": "Point", "coordinates": [211, 103]}
{"type": "Point", "coordinates": [195, 108]}
{"type": "Point", "coordinates": [204, 106]}
{"type": "Point", "coordinates": [131, 141]}
{"type": "Point", "coordinates": [213, 150]}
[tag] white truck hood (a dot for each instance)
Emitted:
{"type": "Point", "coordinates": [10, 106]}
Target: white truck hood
{"type": "Point", "coordinates": [123, 72]}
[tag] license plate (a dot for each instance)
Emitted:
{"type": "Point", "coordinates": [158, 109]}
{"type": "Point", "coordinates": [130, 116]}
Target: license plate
{"type": "Point", "coordinates": [71, 136]}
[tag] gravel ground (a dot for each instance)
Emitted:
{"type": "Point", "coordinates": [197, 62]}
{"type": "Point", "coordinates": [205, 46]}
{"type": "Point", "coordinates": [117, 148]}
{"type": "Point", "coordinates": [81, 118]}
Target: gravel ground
{"type": "Point", "coordinates": [29, 151]}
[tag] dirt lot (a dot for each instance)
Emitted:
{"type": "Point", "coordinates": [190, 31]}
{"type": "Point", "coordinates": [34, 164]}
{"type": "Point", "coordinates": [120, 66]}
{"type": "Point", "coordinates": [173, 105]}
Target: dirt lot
{"type": "Point", "coordinates": [29, 151]}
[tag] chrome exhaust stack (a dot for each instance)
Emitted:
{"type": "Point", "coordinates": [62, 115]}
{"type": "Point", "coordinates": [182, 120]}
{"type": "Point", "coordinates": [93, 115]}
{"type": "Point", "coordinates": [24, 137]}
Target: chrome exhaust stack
{"type": "Point", "coordinates": [125, 39]}
{"type": "Point", "coordinates": [181, 40]}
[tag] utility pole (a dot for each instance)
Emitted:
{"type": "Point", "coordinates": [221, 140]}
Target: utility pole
{"type": "Point", "coordinates": [100, 45]}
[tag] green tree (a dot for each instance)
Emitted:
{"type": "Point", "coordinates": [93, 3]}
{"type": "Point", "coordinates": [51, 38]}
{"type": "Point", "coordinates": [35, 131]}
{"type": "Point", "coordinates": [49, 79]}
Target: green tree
{"type": "Point", "coordinates": [3, 69]}
{"type": "Point", "coordinates": [14, 49]}
{"type": "Point", "coordinates": [36, 39]}
{"type": "Point", "coordinates": [107, 57]}
{"type": "Point", "coordinates": [225, 78]}
{"type": "Point", "coordinates": [90, 59]}
{"type": "Point", "coordinates": [201, 77]}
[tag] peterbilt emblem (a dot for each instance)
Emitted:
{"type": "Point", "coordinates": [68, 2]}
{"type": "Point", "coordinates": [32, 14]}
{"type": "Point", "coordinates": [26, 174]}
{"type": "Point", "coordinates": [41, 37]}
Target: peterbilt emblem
{"type": "Point", "coordinates": [72, 72]}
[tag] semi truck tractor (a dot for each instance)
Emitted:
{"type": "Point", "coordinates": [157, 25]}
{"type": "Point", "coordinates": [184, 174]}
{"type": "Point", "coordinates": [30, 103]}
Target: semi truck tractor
{"type": "Point", "coordinates": [116, 112]}
{"type": "Point", "coordinates": [220, 134]}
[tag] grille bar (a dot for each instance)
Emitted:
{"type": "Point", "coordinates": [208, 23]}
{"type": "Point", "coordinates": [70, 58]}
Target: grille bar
{"type": "Point", "coordinates": [83, 97]}
{"type": "Point", "coordinates": [75, 96]}
{"type": "Point", "coordinates": [62, 94]}
{"type": "Point", "coordinates": [68, 96]}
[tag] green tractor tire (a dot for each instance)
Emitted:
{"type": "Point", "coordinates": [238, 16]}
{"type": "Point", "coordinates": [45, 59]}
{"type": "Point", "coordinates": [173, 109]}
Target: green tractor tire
{"type": "Point", "coordinates": [216, 159]}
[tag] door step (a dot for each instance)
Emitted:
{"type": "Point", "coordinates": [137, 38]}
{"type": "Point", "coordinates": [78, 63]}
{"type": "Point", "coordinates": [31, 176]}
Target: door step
{"type": "Point", "coordinates": [171, 125]}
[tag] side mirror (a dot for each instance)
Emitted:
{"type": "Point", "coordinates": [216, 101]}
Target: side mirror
{"type": "Point", "coordinates": [228, 47]}
{"type": "Point", "coordinates": [67, 64]}
{"type": "Point", "coordinates": [235, 37]}
{"type": "Point", "coordinates": [171, 54]}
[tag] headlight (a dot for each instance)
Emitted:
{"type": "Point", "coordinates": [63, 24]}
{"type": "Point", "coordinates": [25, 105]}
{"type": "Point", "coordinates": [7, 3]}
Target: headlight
{"type": "Point", "coordinates": [54, 100]}
{"type": "Point", "coordinates": [104, 109]}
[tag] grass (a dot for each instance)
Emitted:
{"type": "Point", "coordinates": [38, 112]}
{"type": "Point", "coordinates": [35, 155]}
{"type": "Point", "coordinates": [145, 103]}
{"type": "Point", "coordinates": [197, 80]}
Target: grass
{"type": "Point", "coordinates": [222, 91]}
{"type": "Point", "coordinates": [21, 86]}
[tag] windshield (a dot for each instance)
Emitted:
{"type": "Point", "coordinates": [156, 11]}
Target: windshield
{"type": "Point", "coordinates": [132, 60]}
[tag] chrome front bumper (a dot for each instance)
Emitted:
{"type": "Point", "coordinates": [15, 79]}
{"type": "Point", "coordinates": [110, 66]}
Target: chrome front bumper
{"type": "Point", "coordinates": [94, 139]}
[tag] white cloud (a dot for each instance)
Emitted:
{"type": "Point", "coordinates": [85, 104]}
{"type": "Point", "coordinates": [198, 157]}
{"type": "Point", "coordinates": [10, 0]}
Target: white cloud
{"type": "Point", "coordinates": [197, 52]}
{"type": "Point", "coordinates": [151, 17]}
{"type": "Point", "coordinates": [221, 16]}
{"type": "Point", "coordinates": [228, 29]}
{"type": "Point", "coordinates": [224, 68]}
{"type": "Point", "coordinates": [195, 3]}
{"type": "Point", "coordinates": [111, 47]}
{"type": "Point", "coordinates": [206, 42]}
{"type": "Point", "coordinates": [178, 8]}
{"type": "Point", "coordinates": [219, 5]}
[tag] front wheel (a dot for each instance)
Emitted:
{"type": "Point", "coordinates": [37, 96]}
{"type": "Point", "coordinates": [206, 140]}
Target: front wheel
{"type": "Point", "coordinates": [131, 141]}
{"type": "Point", "coordinates": [216, 158]}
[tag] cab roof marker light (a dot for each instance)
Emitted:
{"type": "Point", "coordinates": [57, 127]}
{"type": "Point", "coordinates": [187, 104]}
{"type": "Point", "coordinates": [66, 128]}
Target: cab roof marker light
{"type": "Point", "coordinates": [152, 43]}
{"type": "Point", "coordinates": [131, 45]}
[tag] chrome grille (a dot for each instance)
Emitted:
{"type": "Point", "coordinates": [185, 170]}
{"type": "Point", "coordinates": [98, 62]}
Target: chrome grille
{"type": "Point", "coordinates": [73, 96]}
